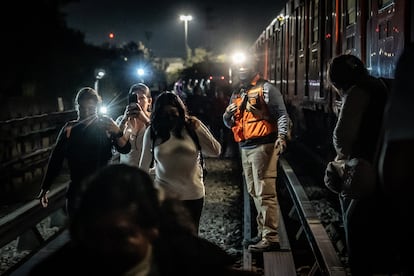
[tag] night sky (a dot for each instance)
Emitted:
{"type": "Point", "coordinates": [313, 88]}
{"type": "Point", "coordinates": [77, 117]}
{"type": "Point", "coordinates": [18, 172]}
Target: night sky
{"type": "Point", "coordinates": [219, 26]}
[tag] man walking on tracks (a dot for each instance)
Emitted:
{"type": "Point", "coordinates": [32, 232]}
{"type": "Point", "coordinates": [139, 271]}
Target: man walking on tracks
{"type": "Point", "coordinates": [258, 118]}
{"type": "Point", "coordinates": [86, 144]}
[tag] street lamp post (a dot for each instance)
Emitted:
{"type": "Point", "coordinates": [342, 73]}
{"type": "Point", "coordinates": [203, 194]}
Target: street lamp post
{"type": "Point", "coordinates": [99, 74]}
{"type": "Point", "coordinates": [186, 18]}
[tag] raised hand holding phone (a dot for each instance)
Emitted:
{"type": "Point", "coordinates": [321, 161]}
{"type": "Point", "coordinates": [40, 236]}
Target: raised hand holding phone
{"type": "Point", "coordinates": [133, 108]}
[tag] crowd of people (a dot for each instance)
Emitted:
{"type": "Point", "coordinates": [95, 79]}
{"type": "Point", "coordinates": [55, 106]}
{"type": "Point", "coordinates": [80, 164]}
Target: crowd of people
{"type": "Point", "coordinates": [151, 203]}
{"type": "Point", "coordinates": [207, 100]}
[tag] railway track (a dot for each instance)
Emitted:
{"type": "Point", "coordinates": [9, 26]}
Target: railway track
{"type": "Point", "coordinates": [314, 246]}
{"type": "Point", "coordinates": [308, 244]}
{"type": "Point", "coordinates": [28, 227]}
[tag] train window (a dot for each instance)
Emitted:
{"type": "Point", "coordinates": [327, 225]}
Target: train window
{"type": "Point", "coordinates": [292, 33]}
{"type": "Point", "coordinates": [389, 28]}
{"type": "Point", "coordinates": [279, 44]}
{"type": "Point", "coordinates": [315, 21]}
{"type": "Point", "coordinates": [384, 3]}
{"type": "Point", "coordinates": [350, 12]}
{"type": "Point", "coordinates": [384, 30]}
{"type": "Point", "coordinates": [381, 31]}
{"type": "Point", "coordinates": [350, 42]}
{"type": "Point", "coordinates": [301, 27]}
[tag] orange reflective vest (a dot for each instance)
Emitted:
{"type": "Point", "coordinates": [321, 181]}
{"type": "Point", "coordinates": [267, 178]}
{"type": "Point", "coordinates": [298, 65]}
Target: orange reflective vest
{"type": "Point", "coordinates": [248, 125]}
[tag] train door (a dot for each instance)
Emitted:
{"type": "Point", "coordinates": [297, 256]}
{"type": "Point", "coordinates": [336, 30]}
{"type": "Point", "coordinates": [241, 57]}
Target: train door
{"type": "Point", "coordinates": [292, 51]}
{"type": "Point", "coordinates": [302, 53]}
{"type": "Point", "coordinates": [332, 10]}
{"type": "Point", "coordinates": [326, 37]}
{"type": "Point", "coordinates": [285, 28]}
{"type": "Point", "coordinates": [269, 47]}
{"type": "Point", "coordinates": [315, 71]}
{"type": "Point", "coordinates": [265, 53]}
{"type": "Point", "coordinates": [353, 27]}
{"type": "Point", "coordinates": [260, 49]}
{"type": "Point", "coordinates": [386, 35]}
{"type": "Point", "coordinates": [272, 54]}
{"type": "Point", "coordinates": [279, 42]}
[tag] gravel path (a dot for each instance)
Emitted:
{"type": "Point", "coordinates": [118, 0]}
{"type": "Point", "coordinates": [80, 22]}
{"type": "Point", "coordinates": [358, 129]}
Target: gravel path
{"type": "Point", "coordinates": [221, 221]}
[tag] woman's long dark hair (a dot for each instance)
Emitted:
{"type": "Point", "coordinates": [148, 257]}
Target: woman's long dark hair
{"type": "Point", "coordinates": [159, 123]}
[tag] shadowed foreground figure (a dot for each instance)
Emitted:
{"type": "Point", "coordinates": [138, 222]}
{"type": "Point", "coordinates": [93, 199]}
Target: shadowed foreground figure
{"type": "Point", "coordinates": [122, 228]}
{"type": "Point", "coordinates": [396, 166]}
{"type": "Point", "coordinates": [357, 133]}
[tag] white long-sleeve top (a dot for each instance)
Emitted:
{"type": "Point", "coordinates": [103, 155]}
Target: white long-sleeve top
{"type": "Point", "coordinates": [177, 168]}
{"type": "Point", "coordinates": [133, 157]}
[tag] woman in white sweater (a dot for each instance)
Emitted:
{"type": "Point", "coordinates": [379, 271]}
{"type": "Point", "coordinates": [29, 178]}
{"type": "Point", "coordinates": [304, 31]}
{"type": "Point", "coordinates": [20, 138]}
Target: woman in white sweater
{"type": "Point", "coordinates": [170, 143]}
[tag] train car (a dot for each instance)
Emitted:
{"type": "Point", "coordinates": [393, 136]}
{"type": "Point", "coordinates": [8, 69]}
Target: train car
{"type": "Point", "coordinates": [294, 52]}
{"type": "Point", "coordinates": [295, 48]}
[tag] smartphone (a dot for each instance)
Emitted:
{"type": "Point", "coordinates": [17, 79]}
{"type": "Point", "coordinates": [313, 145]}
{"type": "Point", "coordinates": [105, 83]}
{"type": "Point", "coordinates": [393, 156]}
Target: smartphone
{"type": "Point", "coordinates": [132, 98]}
